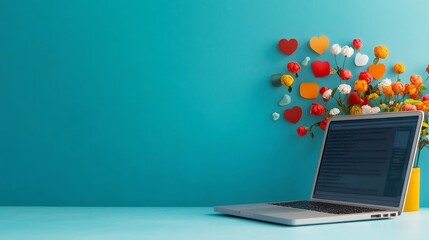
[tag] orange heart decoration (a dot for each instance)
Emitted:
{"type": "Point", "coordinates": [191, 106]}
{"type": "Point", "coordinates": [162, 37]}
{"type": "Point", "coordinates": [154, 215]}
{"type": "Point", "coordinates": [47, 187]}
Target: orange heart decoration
{"type": "Point", "coordinates": [319, 44]}
{"type": "Point", "coordinates": [377, 70]}
{"type": "Point", "coordinates": [293, 115]}
{"type": "Point", "coordinates": [309, 90]}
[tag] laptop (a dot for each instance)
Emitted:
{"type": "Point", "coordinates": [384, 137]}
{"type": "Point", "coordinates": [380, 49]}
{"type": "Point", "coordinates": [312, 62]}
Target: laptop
{"type": "Point", "coordinates": [363, 173]}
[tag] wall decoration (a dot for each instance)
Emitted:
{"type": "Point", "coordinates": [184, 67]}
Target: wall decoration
{"type": "Point", "coordinates": [321, 68]}
{"type": "Point", "coordinates": [288, 47]}
{"type": "Point", "coordinates": [368, 94]}
{"type": "Point", "coordinates": [377, 70]}
{"type": "Point", "coordinates": [305, 61]}
{"type": "Point", "coordinates": [293, 115]}
{"type": "Point", "coordinates": [361, 59]}
{"type": "Point", "coordinates": [276, 116]}
{"type": "Point", "coordinates": [319, 44]}
{"type": "Point", "coordinates": [286, 100]}
{"type": "Point", "coordinates": [308, 90]}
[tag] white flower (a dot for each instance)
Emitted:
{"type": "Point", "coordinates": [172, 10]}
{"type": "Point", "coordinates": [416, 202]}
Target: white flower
{"type": "Point", "coordinates": [385, 82]}
{"type": "Point", "coordinates": [375, 110]}
{"type": "Point", "coordinates": [391, 103]}
{"type": "Point", "coordinates": [347, 51]}
{"type": "Point", "coordinates": [336, 49]}
{"type": "Point", "coordinates": [366, 109]}
{"type": "Point", "coordinates": [327, 94]}
{"type": "Point", "coordinates": [427, 137]}
{"type": "Point", "coordinates": [344, 88]}
{"type": "Point", "coordinates": [334, 111]}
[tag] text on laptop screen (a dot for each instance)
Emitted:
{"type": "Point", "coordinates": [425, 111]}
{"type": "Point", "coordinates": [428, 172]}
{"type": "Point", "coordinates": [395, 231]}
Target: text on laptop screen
{"type": "Point", "coordinates": [365, 161]}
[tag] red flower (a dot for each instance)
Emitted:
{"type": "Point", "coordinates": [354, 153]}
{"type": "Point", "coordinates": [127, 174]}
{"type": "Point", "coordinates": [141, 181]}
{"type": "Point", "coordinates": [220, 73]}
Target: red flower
{"type": "Point", "coordinates": [357, 43]}
{"type": "Point", "coordinates": [365, 76]}
{"type": "Point", "coordinates": [355, 99]}
{"type": "Point", "coordinates": [316, 109]}
{"type": "Point", "coordinates": [301, 130]}
{"type": "Point", "coordinates": [323, 89]}
{"type": "Point", "coordinates": [323, 123]}
{"type": "Point", "coordinates": [427, 68]}
{"type": "Point", "coordinates": [293, 67]}
{"type": "Point", "coordinates": [345, 74]}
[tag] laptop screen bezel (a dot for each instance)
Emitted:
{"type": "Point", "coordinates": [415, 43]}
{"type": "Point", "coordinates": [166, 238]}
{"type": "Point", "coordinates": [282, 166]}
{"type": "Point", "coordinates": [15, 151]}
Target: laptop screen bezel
{"type": "Point", "coordinates": [419, 123]}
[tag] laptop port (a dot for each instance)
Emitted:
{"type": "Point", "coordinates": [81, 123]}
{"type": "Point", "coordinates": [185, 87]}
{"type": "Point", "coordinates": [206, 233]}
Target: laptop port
{"type": "Point", "coordinates": [385, 215]}
{"type": "Point", "coordinates": [393, 214]}
{"type": "Point", "coordinates": [376, 216]}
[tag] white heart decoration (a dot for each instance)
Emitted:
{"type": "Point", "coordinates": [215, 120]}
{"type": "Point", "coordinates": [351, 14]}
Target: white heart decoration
{"type": "Point", "coordinates": [361, 59]}
{"type": "Point", "coordinates": [275, 116]}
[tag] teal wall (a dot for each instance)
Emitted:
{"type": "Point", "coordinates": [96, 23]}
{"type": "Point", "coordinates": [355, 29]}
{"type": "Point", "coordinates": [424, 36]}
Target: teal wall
{"type": "Point", "coordinates": [168, 102]}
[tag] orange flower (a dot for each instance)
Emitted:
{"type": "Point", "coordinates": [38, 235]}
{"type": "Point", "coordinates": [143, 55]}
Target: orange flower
{"type": "Point", "coordinates": [397, 87]}
{"type": "Point", "coordinates": [388, 91]}
{"type": "Point", "coordinates": [424, 106]}
{"type": "Point", "coordinates": [381, 52]}
{"type": "Point", "coordinates": [361, 86]}
{"type": "Point", "coordinates": [410, 89]}
{"type": "Point", "coordinates": [416, 80]}
{"type": "Point", "coordinates": [399, 68]}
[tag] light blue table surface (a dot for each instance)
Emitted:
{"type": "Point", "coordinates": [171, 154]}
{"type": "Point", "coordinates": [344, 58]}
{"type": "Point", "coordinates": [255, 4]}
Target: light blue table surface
{"type": "Point", "coordinates": [187, 223]}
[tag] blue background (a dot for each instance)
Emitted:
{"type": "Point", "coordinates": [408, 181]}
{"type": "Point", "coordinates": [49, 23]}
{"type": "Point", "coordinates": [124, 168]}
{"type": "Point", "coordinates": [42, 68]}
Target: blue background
{"type": "Point", "coordinates": [164, 103]}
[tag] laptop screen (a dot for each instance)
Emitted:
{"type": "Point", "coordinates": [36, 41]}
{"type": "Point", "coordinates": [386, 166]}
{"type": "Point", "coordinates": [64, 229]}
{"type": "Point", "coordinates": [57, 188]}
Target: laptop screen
{"type": "Point", "coordinates": [365, 160]}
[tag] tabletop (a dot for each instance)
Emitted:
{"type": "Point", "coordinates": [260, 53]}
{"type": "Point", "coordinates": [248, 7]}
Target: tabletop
{"type": "Point", "coordinates": [188, 223]}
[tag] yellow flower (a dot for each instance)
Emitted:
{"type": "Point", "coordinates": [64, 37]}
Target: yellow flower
{"type": "Point", "coordinates": [287, 80]}
{"type": "Point", "coordinates": [356, 110]}
{"type": "Point", "coordinates": [361, 86]}
{"type": "Point", "coordinates": [373, 96]}
{"type": "Point", "coordinates": [399, 68]}
{"type": "Point", "coordinates": [381, 52]}
{"type": "Point", "coordinates": [388, 91]}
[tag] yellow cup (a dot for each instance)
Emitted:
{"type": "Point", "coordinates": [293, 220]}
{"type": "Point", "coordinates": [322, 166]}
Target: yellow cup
{"type": "Point", "coordinates": [412, 201]}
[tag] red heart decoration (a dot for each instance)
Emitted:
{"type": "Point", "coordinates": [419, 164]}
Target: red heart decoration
{"type": "Point", "coordinates": [293, 115]}
{"type": "Point", "coordinates": [321, 69]}
{"type": "Point", "coordinates": [288, 46]}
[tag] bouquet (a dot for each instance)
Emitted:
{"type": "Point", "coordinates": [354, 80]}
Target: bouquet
{"type": "Point", "coordinates": [366, 94]}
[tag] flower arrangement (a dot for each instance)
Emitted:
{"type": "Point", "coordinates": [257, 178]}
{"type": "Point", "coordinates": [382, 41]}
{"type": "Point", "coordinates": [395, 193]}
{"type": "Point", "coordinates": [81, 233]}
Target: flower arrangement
{"type": "Point", "coordinates": [366, 94]}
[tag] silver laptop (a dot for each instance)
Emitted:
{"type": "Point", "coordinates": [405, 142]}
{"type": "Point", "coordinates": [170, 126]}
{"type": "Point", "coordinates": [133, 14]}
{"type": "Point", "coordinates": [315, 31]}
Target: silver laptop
{"type": "Point", "coordinates": [363, 173]}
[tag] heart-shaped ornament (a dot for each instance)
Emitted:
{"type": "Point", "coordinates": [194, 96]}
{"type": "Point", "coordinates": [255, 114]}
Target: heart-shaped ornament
{"type": "Point", "coordinates": [285, 100]}
{"type": "Point", "coordinates": [377, 70]}
{"type": "Point", "coordinates": [361, 59]}
{"type": "Point", "coordinates": [319, 44]}
{"type": "Point", "coordinates": [321, 68]}
{"type": "Point", "coordinates": [288, 46]}
{"type": "Point", "coordinates": [309, 90]}
{"type": "Point", "coordinates": [275, 116]}
{"type": "Point", "coordinates": [293, 115]}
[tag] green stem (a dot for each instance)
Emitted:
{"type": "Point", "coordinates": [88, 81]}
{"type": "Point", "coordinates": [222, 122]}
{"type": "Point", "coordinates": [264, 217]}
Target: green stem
{"type": "Point", "coordinates": [336, 63]}
{"type": "Point", "coordinates": [344, 62]}
{"type": "Point", "coordinates": [426, 79]}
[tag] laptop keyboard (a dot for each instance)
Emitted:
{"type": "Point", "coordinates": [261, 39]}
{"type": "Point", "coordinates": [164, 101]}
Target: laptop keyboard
{"type": "Point", "coordinates": [326, 207]}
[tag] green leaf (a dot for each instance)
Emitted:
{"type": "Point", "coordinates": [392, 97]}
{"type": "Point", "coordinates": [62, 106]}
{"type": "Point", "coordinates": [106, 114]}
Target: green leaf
{"type": "Point", "coordinates": [289, 89]}
{"type": "Point", "coordinates": [425, 125]}
{"type": "Point", "coordinates": [334, 91]}
{"type": "Point", "coordinates": [423, 88]}
{"type": "Point", "coordinates": [375, 60]}
{"type": "Point", "coordinates": [312, 135]}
